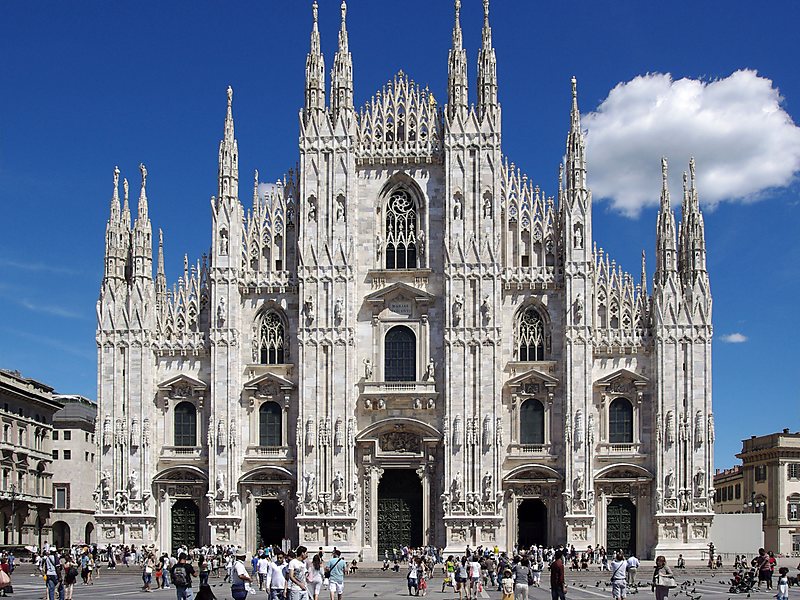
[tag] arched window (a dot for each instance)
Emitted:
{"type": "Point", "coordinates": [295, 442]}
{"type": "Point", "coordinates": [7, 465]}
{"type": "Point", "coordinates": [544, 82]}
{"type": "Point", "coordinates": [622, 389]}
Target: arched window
{"type": "Point", "coordinates": [401, 231]}
{"type": "Point", "coordinates": [400, 356]}
{"type": "Point", "coordinates": [272, 341]}
{"type": "Point", "coordinates": [269, 424]}
{"type": "Point", "coordinates": [530, 335]}
{"type": "Point", "coordinates": [620, 422]}
{"type": "Point", "coordinates": [185, 424]}
{"type": "Point", "coordinates": [531, 422]}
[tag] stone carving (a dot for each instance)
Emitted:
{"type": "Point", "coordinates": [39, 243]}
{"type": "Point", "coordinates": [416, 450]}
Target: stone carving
{"type": "Point", "coordinates": [233, 433]}
{"type": "Point", "coordinates": [338, 311]}
{"type": "Point", "coordinates": [699, 427]}
{"type": "Point", "coordinates": [221, 433]}
{"type": "Point", "coordinates": [473, 504]}
{"type": "Point", "coordinates": [120, 502]}
{"type": "Point", "coordinates": [487, 431]}
{"type": "Point", "coordinates": [590, 429]}
{"type": "Point", "coordinates": [578, 428]}
{"type": "Point", "coordinates": [312, 209]}
{"type": "Point", "coordinates": [458, 208]}
{"type": "Point", "coordinates": [669, 483]}
{"type": "Point", "coordinates": [146, 432]}
{"type": "Point", "coordinates": [220, 485]}
{"type": "Point", "coordinates": [430, 370]}
{"type": "Point", "coordinates": [119, 430]}
{"type": "Point", "coordinates": [711, 434]}
{"type": "Point", "coordinates": [340, 209]}
{"type": "Point", "coordinates": [308, 309]}
{"type": "Point", "coordinates": [351, 432]}
{"type": "Point", "coordinates": [105, 493]}
{"type": "Point", "coordinates": [487, 487]}
{"type": "Point", "coordinates": [400, 441]}
{"type": "Point", "coordinates": [577, 486]}
{"type": "Point", "coordinates": [578, 308]}
{"type": "Point", "coordinates": [107, 432]}
{"type": "Point", "coordinates": [486, 310]}
{"type": "Point", "coordinates": [325, 432]}
{"type": "Point", "coordinates": [310, 433]}
{"type": "Point", "coordinates": [472, 437]}
{"type": "Point", "coordinates": [457, 431]}
{"type": "Point", "coordinates": [498, 431]}
{"type": "Point", "coordinates": [421, 243]}
{"type": "Point", "coordinates": [338, 435]}
{"type": "Point", "coordinates": [378, 247]}
{"type": "Point", "coordinates": [669, 428]}
{"type": "Point", "coordinates": [367, 369]}
{"type": "Point", "coordinates": [487, 206]}
{"type": "Point", "coordinates": [221, 312]}
{"type": "Point", "coordinates": [338, 487]}
{"type": "Point", "coordinates": [455, 488]}
{"type": "Point", "coordinates": [309, 481]}
{"type": "Point", "coordinates": [134, 443]}
{"type": "Point", "coordinates": [700, 484]}
{"type": "Point", "coordinates": [133, 486]}
{"type": "Point", "coordinates": [458, 309]}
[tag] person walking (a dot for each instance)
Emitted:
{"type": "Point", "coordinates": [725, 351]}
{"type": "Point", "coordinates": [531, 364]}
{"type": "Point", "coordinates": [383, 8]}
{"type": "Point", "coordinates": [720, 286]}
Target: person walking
{"type": "Point", "coordinates": [618, 569]}
{"type": "Point", "coordinates": [70, 576]}
{"type": "Point", "coordinates": [783, 584]}
{"type": "Point", "coordinates": [474, 577]}
{"type": "Point", "coordinates": [297, 574]}
{"type": "Point", "coordinates": [558, 587]}
{"type": "Point", "coordinates": [663, 579]}
{"type": "Point", "coordinates": [522, 579]}
{"type": "Point", "coordinates": [630, 570]}
{"type": "Point", "coordinates": [761, 563]}
{"type": "Point", "coordinates": [335, 575]}
{"type": "Point", "coordinates": [507, 585]}
{"type": "Point", "coordinates": [314, 577]}
{"type": "Point", "coordinates": [53, 570]}
{"type": "Point", "coordinates": [181, 575]}
{"type": "Point", "coordinates": [239, 577]}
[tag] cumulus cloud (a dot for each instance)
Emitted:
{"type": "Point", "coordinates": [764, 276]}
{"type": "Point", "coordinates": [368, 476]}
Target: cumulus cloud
{"type": "Point", "coordinates": [742, 139]}
{"type": "Point", "coordinates": [734, 338]}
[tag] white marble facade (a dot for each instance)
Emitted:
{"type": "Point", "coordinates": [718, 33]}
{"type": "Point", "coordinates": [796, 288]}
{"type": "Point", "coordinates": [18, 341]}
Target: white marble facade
{"type": "Point", "coordinates": [405, 302]}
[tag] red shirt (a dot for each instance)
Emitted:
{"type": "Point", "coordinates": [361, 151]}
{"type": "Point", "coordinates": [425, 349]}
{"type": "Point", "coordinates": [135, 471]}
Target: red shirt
{"type": "Point", "coordinates": [557, 575]}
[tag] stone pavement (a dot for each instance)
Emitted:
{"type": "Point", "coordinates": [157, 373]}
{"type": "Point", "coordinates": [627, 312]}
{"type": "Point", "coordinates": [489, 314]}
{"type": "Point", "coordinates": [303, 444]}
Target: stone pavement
{"type": "Point", "coordinates": [126, 583]}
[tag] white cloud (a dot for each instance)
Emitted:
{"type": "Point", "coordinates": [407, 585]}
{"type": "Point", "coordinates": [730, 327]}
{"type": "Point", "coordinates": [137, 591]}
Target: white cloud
{"type": "Point", "coordinates": [743, 141]}
{"type": "Point", "coordinates": [734, 338]}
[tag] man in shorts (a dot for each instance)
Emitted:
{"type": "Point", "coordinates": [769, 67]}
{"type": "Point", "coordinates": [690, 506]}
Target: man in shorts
{"type": "Point", "coordinates": [297, 574]}
{"type": "Point", "coordinates": [335, 568]}
{"type": "Point", "coordinates": [618, 568]}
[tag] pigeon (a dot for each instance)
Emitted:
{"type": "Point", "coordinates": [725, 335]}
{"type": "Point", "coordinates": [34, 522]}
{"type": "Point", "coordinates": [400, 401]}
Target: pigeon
{"type": "Point", "coordinates": [365, 585]}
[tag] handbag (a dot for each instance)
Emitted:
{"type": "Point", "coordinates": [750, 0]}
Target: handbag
{"type": "Point", "coordinates": [667, 581]}
{"type": "Point", "coordinates": [4, 579]}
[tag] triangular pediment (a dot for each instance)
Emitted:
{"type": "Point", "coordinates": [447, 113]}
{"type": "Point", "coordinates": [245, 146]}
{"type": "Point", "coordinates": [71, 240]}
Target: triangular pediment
{"type": "Point", "coordinates": [183, 380]}
{"type": "Point", "coordinates": [380, 297]}
{"type": "Point", "coordinates": [621, 375]}
{"type": "Point", "coordinates": [263, 382]}
{"type": "Point", "coordinates": [530, 376]}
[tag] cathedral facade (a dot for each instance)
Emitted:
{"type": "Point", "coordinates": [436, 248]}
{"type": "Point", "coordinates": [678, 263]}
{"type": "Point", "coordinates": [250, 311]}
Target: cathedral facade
{"type": "Point", "coordinates": [405, 341]}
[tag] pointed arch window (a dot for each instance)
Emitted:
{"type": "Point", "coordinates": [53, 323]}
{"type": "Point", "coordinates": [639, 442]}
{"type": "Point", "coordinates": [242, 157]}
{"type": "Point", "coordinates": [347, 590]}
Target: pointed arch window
{"type": "Point", "coordinates": [620, 422]}
{"type": "Point", "coordinates": [272, 342]}
{"type": "Point", "coordinates": [531, 425]}
{"type": "Point", "coordinates": [531, 336]}
{"type": "Point", "coordinates": [270, 425]}
{"type": "Point", "coordinates": [400, 356]}
{"type": "Point", "coordinates": [185, 424]}
{"type": "Point", "coordinates": [401, 231]}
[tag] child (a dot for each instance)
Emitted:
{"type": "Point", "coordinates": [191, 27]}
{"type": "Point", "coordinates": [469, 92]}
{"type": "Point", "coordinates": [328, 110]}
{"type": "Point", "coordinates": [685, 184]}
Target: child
{"type": "Point", "coordinates": [507, 585]}
{"type": "Point", "coordinates": [783, 584]}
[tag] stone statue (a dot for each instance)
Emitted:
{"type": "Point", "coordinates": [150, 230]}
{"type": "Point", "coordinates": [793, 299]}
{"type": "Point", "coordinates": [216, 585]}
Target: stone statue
{"type": "Point", "coordinates": [590, 428]}
{"type": "Point", "coordinates": [487, 206]}
{"type": "Point", "coordinates": [133, 486]}
{"type": "Point", "coordinates": [458, 309]}
{"type": "Point", "coordinates": [455, 488]}
{"type": "Point", "coordinates": [578, 309]}
{"type": "Point", "coordinates": [711, 434]}
{"type": "Point", "coordinates": [221, 312]}
{"type": "Point", "coordinates": [487, 487]}
{"type": "Point", "coordinates": [498, 432]}
{"type": "Point", "coordinates": [221, 433]}
{"type": "Point", "coordinates": [367, 369]}
{"type": "Point", "coordinates": [669, 483]}
{"type": "Point", "coordinates": [578, 237]}
{"type": "Point", "coordinates": [577, 486]}
{"type": "Point", "coordinates": [421, 243]}
{"type": "Point", "coordinates": [378, 246]}
{"type": "Point", "coordinates": [698, 428]}
{"type": "Point", "coordinates": [310, 433]}
{"type": "Point", "coordinates": [143, 171]}
{"type": "Point", "coordinates": [700, 484]}
{"type": "Point", "coordinates": [120, 502]}
{"type": "Point", "coordinates": [107, 435]}
{"type": "Point", "coordinates": [486, 310]}
{"type": "Point", "coordinates": [134, 435]}
{"type": "Point", "coordinates": [233, 433]}
{"type": "Point", "coordinates": [146, 432]}
{"type": "Point", "coordinates": [338, 310]}
{"type": "Point", "coordinates": [104, 485]}
{"type": "Point", "coordinates": [338, 487]}
{"type": "Point", "coordinates": [339, 208]}
{"type": "Point", "coordinates": [457, 431]}
{"type": "Point", "coordinates": [220, 483]}
{"type": "Point", "coordinates": [578, 428]}
{"type": "Point", "coordinates": [487, 431]}
{"type": "Point", "coordinates": [670, 427]}
{"type": "Point", "coordinates": [457, 207]}
{"type": "Point", "coordinates": [445, 502]}
{"type": "Point", "coordinates": [338, 433]}
{"type": "Point", "coordinates": [223, 242]}
{"type": "Point", "coordinates": [308, 307]}
{"type": "Point", "coordinates": [308, 484]}
{"type": "Point", "coordinates": [312, 209]}
{"type": "Point", "coordinates": [430, 370]}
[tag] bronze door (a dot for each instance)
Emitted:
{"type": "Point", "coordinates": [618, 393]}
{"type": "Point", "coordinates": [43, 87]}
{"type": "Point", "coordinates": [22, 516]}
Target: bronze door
{"type": "Point", "coordinates": [399, 510]}
{"type": "Point", "coordinates": [621, 526]}
{"type": "Point", "coordinates": [185, 525]}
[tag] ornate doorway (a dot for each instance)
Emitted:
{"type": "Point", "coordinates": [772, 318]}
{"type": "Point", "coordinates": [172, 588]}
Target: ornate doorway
{"type": "Point", "coordinates": [271, 523]}
{"type": "Point", "coordinates": [621, 526]}
{"type": "Point", "coordinates": [532, 523]}
{"type": "Point", "coordinates": [185, 525]}
{"type": "Point", "coordinates": [399, 510]}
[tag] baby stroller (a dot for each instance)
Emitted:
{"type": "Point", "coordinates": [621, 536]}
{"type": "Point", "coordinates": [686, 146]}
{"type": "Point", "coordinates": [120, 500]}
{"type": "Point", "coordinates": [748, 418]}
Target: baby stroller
{"type": "Point", "coordinates": [743, 583]}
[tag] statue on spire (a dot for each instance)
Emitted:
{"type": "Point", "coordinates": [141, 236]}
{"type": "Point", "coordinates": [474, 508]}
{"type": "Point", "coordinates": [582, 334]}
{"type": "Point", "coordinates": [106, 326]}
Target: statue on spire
{"type": "Point", "coordinates": [143, 170]}
{"type": "Point", "coordinates": [230, 96]}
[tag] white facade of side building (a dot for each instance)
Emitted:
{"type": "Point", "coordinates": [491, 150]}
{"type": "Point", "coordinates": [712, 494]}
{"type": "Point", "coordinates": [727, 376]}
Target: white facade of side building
{"type": "Point", "coordinates": [524, 347]}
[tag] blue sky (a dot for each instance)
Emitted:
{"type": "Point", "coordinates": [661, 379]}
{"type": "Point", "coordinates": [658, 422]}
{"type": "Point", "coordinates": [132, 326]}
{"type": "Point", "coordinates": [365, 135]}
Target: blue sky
{"type": "Point", "coordinates": [90, 85]}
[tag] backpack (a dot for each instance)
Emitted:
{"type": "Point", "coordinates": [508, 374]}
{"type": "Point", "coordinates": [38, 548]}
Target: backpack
{"type": "Point", "coordinates": [180, 577]}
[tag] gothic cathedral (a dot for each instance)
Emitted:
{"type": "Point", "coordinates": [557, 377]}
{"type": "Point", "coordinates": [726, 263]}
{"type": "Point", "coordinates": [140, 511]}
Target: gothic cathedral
{"type": "Point", "coordinates": [405, 341]}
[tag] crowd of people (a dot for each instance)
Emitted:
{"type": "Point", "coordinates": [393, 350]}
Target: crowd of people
{"type": "Point", "coordinates": [299, 575]}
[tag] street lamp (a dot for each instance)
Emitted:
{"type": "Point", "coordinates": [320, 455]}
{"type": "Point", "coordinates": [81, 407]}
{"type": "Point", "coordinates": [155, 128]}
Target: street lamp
{"type": "Point", "coordinates": [754, 506]}
{"type": "Point", "coordinates": [13, 494]}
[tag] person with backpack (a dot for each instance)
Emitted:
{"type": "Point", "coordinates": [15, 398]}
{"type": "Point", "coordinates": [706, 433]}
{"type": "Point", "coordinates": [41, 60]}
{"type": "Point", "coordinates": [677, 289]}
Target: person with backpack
{"type": "Point", "coordinates": [53, 570]}
{"type": "Point", "coordinates": [70, 576]}
{"type": "Point", "coordinates": [619, 576]}
{"type": "Point", "coordinates": [181, 575]}
{"type": "Point", "coordinates": [334, 572]}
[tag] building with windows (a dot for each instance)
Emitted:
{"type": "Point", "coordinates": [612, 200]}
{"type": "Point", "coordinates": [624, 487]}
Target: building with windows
{"type": "Point", "coordinates": [770, 477]}
{"type": "Point", "coordinates": [26, 414]}
{"type": "Point", "coordinates": [728, 497]}
{"type": "Point", "coordinates": [74, 458]}
{"type": "Point", "coordinates": [405, 341]}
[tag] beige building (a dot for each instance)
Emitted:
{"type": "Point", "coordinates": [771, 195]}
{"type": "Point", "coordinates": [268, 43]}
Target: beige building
{"type": "Point", "coordinates": [771, 485]}
{"type": "Point", "coordinates": [26, 415]}
{"type": "Point", "coordinates": [73, 471]}
{"type": "Point", "coordinates": [728, 491]}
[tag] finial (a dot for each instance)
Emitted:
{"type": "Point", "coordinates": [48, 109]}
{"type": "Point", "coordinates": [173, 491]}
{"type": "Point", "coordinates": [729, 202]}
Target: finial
{"type": "Point", "coordinates": [230, 96]}
{"type": "Point", "coordinates": [574, 87]}
{"type": "Point", "coordinates": [315, 12]}
{"type": "Point", "coordinates": [664, 171]}
{"type": "Point", "coordinates": [344, 10]}
{"type": "Point", "coordinates": [458, 8]}
{"type": "Point", "coordinates": [125, 189]}
{"type": "Point", "coordinates": [160, 238]}
{"type": "Point", "coordinates": [685, 178]}
{"type": "Point", "coordinates": [143, 171]}
{"type": "Point", "coordinates": [485, 9]}
{"type": "Point", "coordinates": [116, 182]}
{"type": "Point", "coordinates": [691, 170]}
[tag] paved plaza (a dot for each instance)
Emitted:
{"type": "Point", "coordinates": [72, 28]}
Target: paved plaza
{"type": "Point", "coordinates": [581, 586]}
